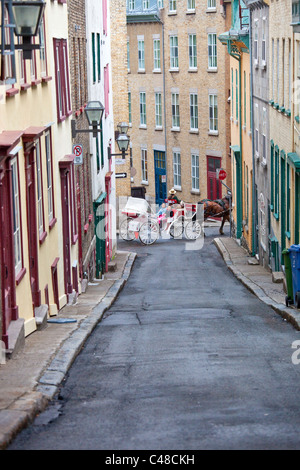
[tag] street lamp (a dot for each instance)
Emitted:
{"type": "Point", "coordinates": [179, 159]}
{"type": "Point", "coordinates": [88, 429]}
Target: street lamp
{"type": "Point", "coordinates": [24, 18]}
{"type": "Point", "coordinates": [27, 17]}
{"type": "Point", "coordinates": [122, 140]}
{"type": "Point", "coordinates": [94, 112]}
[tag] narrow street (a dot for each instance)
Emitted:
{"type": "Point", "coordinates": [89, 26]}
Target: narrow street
{"type": "Point", "coordinates": [186, 358]}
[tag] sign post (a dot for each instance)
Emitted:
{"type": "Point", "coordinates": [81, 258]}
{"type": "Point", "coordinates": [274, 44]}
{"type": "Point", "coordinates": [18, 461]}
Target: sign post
{"type": "Point", "coordinates": [77, 151]}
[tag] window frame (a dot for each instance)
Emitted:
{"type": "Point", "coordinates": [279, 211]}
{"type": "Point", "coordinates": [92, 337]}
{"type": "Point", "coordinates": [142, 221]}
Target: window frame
{"type": "Point", "coordinates": [158, 110]}
{"type": "Point", "coordinates": [174, 52]}
{"type": "Point", "coordinates": [212, 51]}
{"type": "Point", "coordinates": [141, 54]}
{"type": "Point", "coordinates": [50, 187]}
{"type": "Point", "coordinates": [63, 97]}
{"type": "Point", "coordinates": [143, 110]}
{"type": "Point", "coordinates": [177, 169]}
{"type": "Point", "coordinates": [213, 117]}
{"type": "Point", "coordinates": [144, 162]}
{"type": "Point", "coordinates": [193, 59]}
{"type": "Point", "coordinates": [175, 111]}
{"type": "Point", "coordinates": [194, 112]}
{"type": "Point", "coordinates": [195, 171]}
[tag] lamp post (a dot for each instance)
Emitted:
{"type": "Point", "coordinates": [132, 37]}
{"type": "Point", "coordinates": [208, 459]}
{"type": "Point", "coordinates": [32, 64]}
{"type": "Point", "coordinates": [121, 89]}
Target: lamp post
{"type": "Point", "coordinates": [122, 141]}
{"type": "Point", "coordinates": [94, 112]}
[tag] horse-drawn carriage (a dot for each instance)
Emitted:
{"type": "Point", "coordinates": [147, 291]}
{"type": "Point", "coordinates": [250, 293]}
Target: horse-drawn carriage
{"type": "Point", "coordinates": [141, 222]}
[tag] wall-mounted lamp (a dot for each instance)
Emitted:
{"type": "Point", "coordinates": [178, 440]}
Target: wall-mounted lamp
{"type": "Point", "coordinates": [94, 112]}
{"type": "Point", "coordinates": [122, 141]}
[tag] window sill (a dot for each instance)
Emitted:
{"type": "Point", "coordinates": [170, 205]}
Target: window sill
{"type": "Point", "coordinates": [191, 12]}
{"type": "Point", "coordinates": [156, 71]}
{"type": "Point", "coordinates": [276, 216]}
{"type": "Point", "coordinates": [141, 71]}
{"type": "Point", "coordinates": [142, 126]}
{"type": "Point", "coordinates": [288, 235]}
{"type": "Point", "coordinates": [193, 70]}
{"type": "Point", "coordinates": [175, 129]}
{"type": "Point", "coordinates": [211, 10]}
{"type": "Point", "coordinates": [20, 276]}
{"type": "Point", "coordinates": [25, 86]}
{"type": "Point", "coordinates": [146, 183]}
{"type": "Point", "coordinates": [212, 69]}
{"type": "Point", "coordinates": [11, 92]}
{"type": "Point", "coordinates": [85, 227]}
{"type": "Point", "coordinates": [214, 133]}
{"type": "Point", "coordinates": [171, 13]}
{"type": "Point", "coordinates": [46, 79]}
{"type": "Point", "coordinates": [43, 237]}
{"type": "Point", "coordinates": [174, 70]}
{"type": "Point", "coordinates": [195, 191]}
{"type": "Point", "coordinates": [158, 128]}
{"type": "Point", "coordinates": [36, 82]}
{"type": "Point", "coordinates": [194, 131]}
{"type": "Point", "coordinates": [52, 223]}
{"type": "Point", "coordinates": [178, 188]}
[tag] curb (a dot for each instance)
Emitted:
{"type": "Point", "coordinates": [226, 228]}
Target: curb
{"type": "Point", "coordinates": [23, 411]}
{"type": "Point", "coordinates": [286, 313]}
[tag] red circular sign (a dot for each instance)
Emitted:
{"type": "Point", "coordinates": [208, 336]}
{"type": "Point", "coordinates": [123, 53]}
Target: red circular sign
{"type": "Point", "coordinates": [222, 174]}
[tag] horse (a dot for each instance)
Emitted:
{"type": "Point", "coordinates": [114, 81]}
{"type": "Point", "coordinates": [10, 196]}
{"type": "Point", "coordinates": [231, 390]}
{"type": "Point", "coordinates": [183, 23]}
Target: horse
{"type": "Point", "coordinates": [217, 208]}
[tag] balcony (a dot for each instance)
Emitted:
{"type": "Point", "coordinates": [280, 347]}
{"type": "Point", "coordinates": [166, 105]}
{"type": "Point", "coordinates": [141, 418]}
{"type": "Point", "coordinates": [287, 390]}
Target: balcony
{"type": "Point", "coordinates": [237, 38]}
{"type": "Point", "coordinates": [141, 11]}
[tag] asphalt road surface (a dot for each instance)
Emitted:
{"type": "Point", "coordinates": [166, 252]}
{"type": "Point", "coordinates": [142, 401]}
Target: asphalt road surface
{"type": "Point", "coordinates": [186, 358]}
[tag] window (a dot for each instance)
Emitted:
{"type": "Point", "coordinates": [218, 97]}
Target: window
{"type": "Point", "coordinates": [174, 63]}
{"type": "Point", "coordinates": [131, 5]}
{"type": "Point", "coordinates": [288, 200]}
{"type": "Point", "coordinates": [283, 75]}
{"type": "Point", "coordinates": [232, 95]}
{"type": "Point", "coordinates": [263, 44]}
{"type": "Point", "coordinates": [158, 110]}
{"type": "Point", "coordinates": [141, 54]}
{"type": "Point", "coordinates": [39, 182]}
{"type": "Point", "coordinates": [276, 195]}
{"type": "Point", "coordinates": [194, 111]}
{"type": "Point", "coordinates": [256, 138]}
{"type": "Point", "coordinates": [290, 75]}
{"type": "Point", "coordinates": [128, 56]}
{"type": "Point", "coordinates": [98, 58]}
{"type": "Point", "coordinates": [264, 138]}
{"type": "Point", "coordinates": [211, 4]}
{"type": "Point", "coordinates": [213, 113]}
{"type": "Point", "coordinates": [212, 51]}
{"type": "Point", "coordinates": [172, 5]}
{"type": "Point", "coordinates": [129, 108]}
{"type": "Point", "coordinates": [62, 79]}
{"type": "Point", "coordinates": [16, 216]}
{"type": "Point", "coordinates": [104, 14]}
{"type": "Point", "coordinates": [177, 169]}
{"type": "Point", "coordinates": [146, 4]}
{"type": "Point", "coordinates": [94, 57]}
{"type": "Point", "coordinates": [156, 54]}
{"type": "Point", "coordinates": [175, 111]}
{"type": "Point", "coordinates": [50, 189]}
{"type": "Point", "coordinates": [255, 45]}
{"type": "Point", "coordinates": [106, 90]}
{"type": "Point", "coordinates": [195, 172]}
{"type": "Point", "coordinates": [236, 96]}
{"type": "Point", "coordinates": [245, 100]}
{"type": "Point", "coordinates": [43, 58]}
{"type": "Point", "coordinates": [143, 121]}
{"type": "Point", "coordinates": [160, 3]}
{"type": "Point", "coordinates": [192, 51]}
{"type": "Point", "coordinates": [22, 65]}
{"type": "Point", "coordinates": [144, 166]}
{"type": "Point", "coordinates": [191, 4]}
{"type": "Point", "coordinates": [272, 175]}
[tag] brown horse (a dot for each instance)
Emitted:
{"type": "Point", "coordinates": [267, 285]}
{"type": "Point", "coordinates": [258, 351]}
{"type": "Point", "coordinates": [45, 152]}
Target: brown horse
{"type": "Point", "coordinates": [217, 208]}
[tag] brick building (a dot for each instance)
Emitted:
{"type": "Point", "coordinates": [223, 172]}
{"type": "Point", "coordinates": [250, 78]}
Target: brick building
{"type": "Point", "coordinates": [178, 91]}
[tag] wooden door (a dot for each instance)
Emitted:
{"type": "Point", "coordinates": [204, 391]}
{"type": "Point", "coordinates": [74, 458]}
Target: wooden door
{"type": "Point", "coordinates": [214, 186]}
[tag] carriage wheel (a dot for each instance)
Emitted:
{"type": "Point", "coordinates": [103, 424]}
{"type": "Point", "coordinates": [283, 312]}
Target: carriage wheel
{"type": "Point", "coordinates": [124, 231]}
{"type": "Point", "coordinates": [177, 227]}
{"type": "Point", "coordinates": [149, 233]}
{"type": "Point", "coordinates": [193, 230]}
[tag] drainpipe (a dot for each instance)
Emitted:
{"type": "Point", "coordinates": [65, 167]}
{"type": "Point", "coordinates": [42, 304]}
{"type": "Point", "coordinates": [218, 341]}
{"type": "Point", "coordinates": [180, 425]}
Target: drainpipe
{"type": "Point", "coordinates": [254, 201]}
{"type": "Point", "coordinates": [164, 87]}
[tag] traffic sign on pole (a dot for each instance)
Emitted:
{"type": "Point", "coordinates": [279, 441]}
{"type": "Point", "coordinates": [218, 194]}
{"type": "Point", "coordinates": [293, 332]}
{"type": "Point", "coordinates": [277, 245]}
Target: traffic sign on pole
{"type": "Point", "coordinates": [222, 174]}
{"type": "Point", "coordinates": [77, 151]}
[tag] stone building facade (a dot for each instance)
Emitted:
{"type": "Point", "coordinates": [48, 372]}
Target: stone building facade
{"type": "Point", "coordinates": [178, 90]}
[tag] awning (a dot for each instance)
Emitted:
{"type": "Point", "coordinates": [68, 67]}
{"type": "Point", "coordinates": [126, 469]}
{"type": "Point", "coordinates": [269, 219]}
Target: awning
{"type": "Point", "coordinates": [8, 140]}
{"type": "Point", "coordinates": [294, 159]}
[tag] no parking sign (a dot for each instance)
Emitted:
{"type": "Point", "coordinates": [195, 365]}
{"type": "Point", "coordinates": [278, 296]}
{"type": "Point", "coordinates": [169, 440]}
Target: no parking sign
{"type": "Point", "coordinates": [77, 151]}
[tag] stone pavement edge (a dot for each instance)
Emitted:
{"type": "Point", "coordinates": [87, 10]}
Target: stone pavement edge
{"type": "Point", "coordinates": [256, 278]}
{"type": "Point", "coordinates": [31, 379]}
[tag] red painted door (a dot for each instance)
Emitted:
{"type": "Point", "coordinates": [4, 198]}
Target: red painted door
{"type": "Point", "coordinates": [8, 282]}
{"type": "Point", "coordinates": [32, 225]}
{"type": "Point", "coordinates": [214, 186]}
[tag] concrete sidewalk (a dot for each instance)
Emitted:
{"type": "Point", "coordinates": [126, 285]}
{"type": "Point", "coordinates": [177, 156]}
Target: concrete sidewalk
{"type": "Point", "coordinates": [30, 380]}
{"type": "Point", "coordinates": [256, 278]}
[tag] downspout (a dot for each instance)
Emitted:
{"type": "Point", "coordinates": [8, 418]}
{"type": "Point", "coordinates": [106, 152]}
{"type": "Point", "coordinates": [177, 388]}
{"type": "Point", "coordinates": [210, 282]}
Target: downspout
{"type": "Point", "coordinates": [241, 147]}
{"type": "Point", "coordinates": [164, 88]}
{"type": "Point", "coordinates": [254, 201]}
